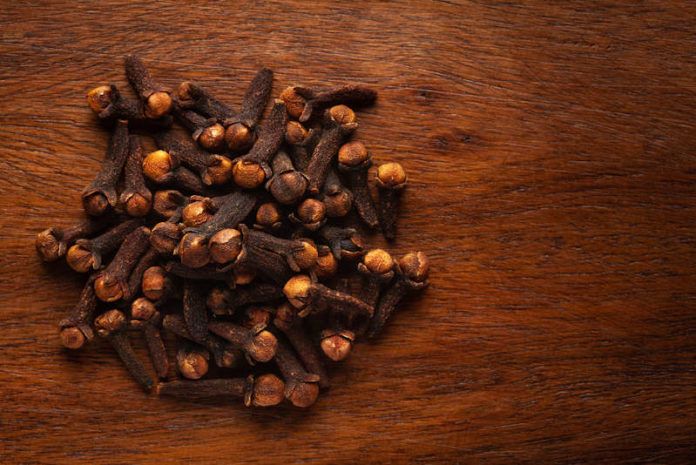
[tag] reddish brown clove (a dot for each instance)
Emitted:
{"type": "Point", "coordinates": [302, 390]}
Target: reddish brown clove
{"type": "Point", "coordinates": [206, 131]}
{"type": "Point", "coordinates": [52, 243]}
{"type": "Point", "coordinates": [336, 198]}
{"type": "Point", "coordinates": [252, 169]}
{"type": "Point", "coordinates": [391, 180]}
{"type": "Point", "coordinates": [169, 203]}
{"type": "Point", "coordinates": [269, 217]}
{"type": "Point", "coordinates": [326, 266]}
{"type": "Point", "coordinates": [108, 103]}
{"type": "Point", "coordinates": [240, 128]}
{"type": "Point", "coordinates": [301, 388]}
{"type": "Point", "coordinates": [262, 391]}
{"type": "Point", "coordinates": [112, 325]}
{"type": "Point", "coordinates": [156, 285]}
{"type": "Point", "coordinates": [355, 160]}
{"type": "Point", "coordinates": [136, 197]}
{"type": "Point", "coordinates": [340, 123]}
{"type": "Point", "coordinates": [76, 328]}
{"type": "Point", "coordinates": [411, 274]}
{"type": "Point", "coordinates": [301, 142]}
{"type": "Point", "coordinates": [101, 194]}
{"type": "Point", "coordinates": [377, 267]}
{"type": "Point", "coordinates": [298, 254]}
{"type": "Point", "coordinates": [156, 100]}
{"type": "Point", "coordinates": [310, 214]}
{"type": "Point", "coordinates": [87, 253]}
{"type": "Point", "coordinates": [287, 184]}
{"type": "Point", "coordinates": [344, 242]}
{"type": "Point", "coordinates": [291, 325]}
{"type": "Point", "coordinates": [145, 317]}
{"type": "Point", "coordinates": [308, 296]}
{"type": "Point", "coordinates": [191, 96]}
{"type": "Point", "coordinates": [148, 259]}
{"type": "Point", "coordinates": [337, 344]}
{"type": "Point", "coordinates": [259, 344]}
{"type": "Point", "coordinates": [112, 283]}
{"type": "Point", "coordinates": [318, 100]}
{"type": "Point", "coordinates": [212, 169]}
{"type": "Point", "coordinates": [192, 360]}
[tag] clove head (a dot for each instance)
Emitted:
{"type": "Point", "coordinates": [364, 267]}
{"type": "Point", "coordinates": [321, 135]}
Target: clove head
{"type": "Point", "coordinates": [80, 259]}
{"type": "Point", "coordinates": [269, 217]}
{"type": "Point", "coordinates": [95, 203]}
{"type": "Point", "coordinates": [342, 114]}
{"type": "Point", "coordinates": [48, 246]}
{"type": "Point", "coordinates": [157, 165]}
{"type": "Point", "coordinates": [353, 154]}
{"type": "Point", "coordinates": [415, 266]}
{"type": "Point", "coordinates": [311, 213]}
{"type": "Point", "coordinates": [137, 204]}
{"type": "Point", "coordinates": [219, 171]}
{"type": "Point", "coordinates": [225, 245]}
{"type": "Point", "coordinates": [295, 132]}
{"type": "Point", "coordinates": [337, 345]}
{"type": "Point", "coordinates": [168, 202]}
{"type": "Point", "coordinates": [239, 137]}
{"type": "Point", "coordinates": [256, 316]}
{"type": "Point", "coordinates": [72, 338]}
{"type": "Point", "coordinates": [165, 236]}
{"type": "Point", "coordinates": [268, 390]}
{"type": "Point", "coordinates": [263, 346]}
{"type": "Point", "coordinates": [302, 394]}
{"type": "Point", "coordinates": [378, 262]}
{"type": "Point", "coordinates": [338, 202]}
{"type": "Point", "coordinates": [212, 137]}
{"type": "Point", "coordinates": [289, 187]}
{"type": "Point", "coordinates": [297, 290]}
{"type": "Point", "coordinates": [248, 174]}
{"type": "Point", "coordinates": [109, 322]}
{"type": "Point", "coordinates": [294, 102]}
{"type": "Point", "coordinates": [326, 265]}
{"type": "Point", "coordinates": [192, 364]}
{"type": "Point", "coordinates": [142, 309]}
{"type": "Point", "coordinates": [99, 98]}
{"type": "Point", "coordinates": [155, 283]}
{"type": "Point", "coordinates": [391, 176]}
{"type": "Point", "coordinates": [158, 104]}
{"type": "Point", "coordinates": [193, 251]}
{"type": "Point", "coordinates": [197, 213]}
{"type": "Point", "coordinates": [307, 257]}
{"type": "Point", "coordinates": [109, 290]}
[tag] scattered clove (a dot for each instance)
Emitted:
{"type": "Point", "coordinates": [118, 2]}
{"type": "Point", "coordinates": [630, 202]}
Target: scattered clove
{"type": "Point", "coordinates": [354, 160]}
{"type": "Point", "coordinates": [156, 100]}
{"type": "Point", "coordinates": [87, 254]}
{"type": "Point", "coordinates": [136, 197]}
{"type": "Point", "coordinates": [391, 180]}
{"type": "Point", "coordinates": [52, 243]}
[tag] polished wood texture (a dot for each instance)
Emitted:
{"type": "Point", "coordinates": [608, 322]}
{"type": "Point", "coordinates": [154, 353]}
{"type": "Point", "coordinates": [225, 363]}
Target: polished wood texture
{"type": "Point", "coordinates": [552, 161]}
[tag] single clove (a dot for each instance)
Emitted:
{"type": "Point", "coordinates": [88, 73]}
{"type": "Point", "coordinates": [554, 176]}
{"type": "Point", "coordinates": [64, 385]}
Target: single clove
{"type": "Point", "coordinates": [192, 360]}
{"type": "Point", "coordinates": [309, 214]}
{"type": "Point", "coordinates": [212, 169]}
{"type": "Point", "coordinates": [301, 142]}
{"type": "Point", "coordinates": [147, 260]}
{"type": "Point", "coordinates": [76, 328]}
{"type": "Point", "coordinates": [391, 180]}
{"type": "Point", "coordinates": [156, 285]}
{"type": "Point", "coordinates": [355, 160]}
{"type": "Point", "coordinates": [206, 131]}
{"type": "Point", "coordinates": [144, 316]}
{"type": "Point", "coordinates": [52, 243]}
{"type": "Point", "coordinates": [156, 100]}
{"type": "Point", "coordinates": [87, 254]}
{"type": "Point", "coordinates": [301, 388]}
{"type": "Point", "coordinates": [240, 128]}
{"type": "Point", "coordinates": [224, 355]}
{"type": "Point", "coordinates": [310, 297]}
{"type": "Point", "coordinates": [265, 390]}
{"type": "Point", "coordinates": [258, 343]}
{"type": "Point", "coordinates": [336, 198]}
{"type": "Point", "coordinates": [269, 217]}
{"type": "Point", "coordinates": [344, 242]}
{"type": "Point", "coordinates": [112, 283]}
{"type": "Point", "coordinates": [136, 197]}
{"type": "Point", "coordinates": [317, 100]}
{"type": "Point", "coordinates": [337, 344]}
{"type": "Point", "coordinates": [287, 184]}
{"type": "Point", "coordinates": [191, 96]}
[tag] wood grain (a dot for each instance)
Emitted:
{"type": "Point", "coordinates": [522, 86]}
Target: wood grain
{"type": "Point", "coordinates": [552, 154]}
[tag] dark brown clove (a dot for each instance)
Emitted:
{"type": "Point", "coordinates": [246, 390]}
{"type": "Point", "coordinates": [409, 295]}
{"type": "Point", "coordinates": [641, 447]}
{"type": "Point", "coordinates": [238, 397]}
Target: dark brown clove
{"type": "Point", "coordinates": [206, 131]}
{"type": "Point", "coordinates": [112, 283]}
{"type": "Point", "coordinates": [355, 160]}
{"type": "Point", "coordinates": [108, 104]}
{"type": "Point", "coordinates": [301, 142]}
{"type": "Point", "coordinates": [145, 317]}
{"type": "Point", "coordinates": [169, 203]}
{"type": "Point", "coordinates": [310, 214]}
{"type": "Point", "coordinates": [224, 355]}
{"type": "Point", "coordinates": [225, 245]}
{"type": "Point", "coordinates": [291, 325]}
{"type": "Point", "coordinates": [240, 128]}
{"type": "Point", "coordinates": [192, 360]}
{"type": "Point", "coordinates": [199, 274]}
{"type": "Point", "coordinates": [262, 391]}
{"type": "Point", "coordinates": [298, 254]}
{"type": "Point", "coordinates": [339, 124]}
{"type": "Point", "coordinates": [76, 328]}
{"type": "Point", "coordinates": [53, 243]}
{"type": "Point", "coordinates": [269, 217]}
{"type": "Point", "coordinates": [101, 194]}
{"type": "Point", "coordinates": [301, 388]}
{"type": "Point", "coordinates": [87, 254]}
{"type": "Point", "coordinates": [287, 184]}
{"type": "Point", "coordinates": [309, 297]}
{"type": "Point", "coordinates": [212, 169]}
{"type": "Point", "coordinates": [318, 100]}
{"type": "Point", "coordinates": [148, 259]}
{"type": "Point", "coordinates": [326, 266]}
{"type": "Point", "coordinates": [411, 274]}
{"type": "Point", "coordinates": [156, 285]}
{"type": "Point", "coordinates": [344, 242]}
{"type": "Point", "coordinates": [165, 237]}
{"type": "Point", "coordinates": [136, 197]}
{"type": "Point", "coordinates": [391, 180]}
{"type": "Point", "coordinates": [258, 343]}
{"type": "Point", "coordinates": [377, 268]}
{"type": "Point", "coordinates": [337, 344]}
{"type": "Point", "coordinates": [195, 313]}
{"type": "Point", "coordinates": [255, 316]}
{"type": "Point", "coordinates": [112, 326]}
{"type": "Point", "coordinates": [223, 301]}
{"type": "Point", "coordinates": [336, 198]}
{"type": "Point", "coordinates": [191, 96]}
{"type": "Point", "coordinates": [252, 169]}
{"type": "Point", "coordinates": [156, 100]}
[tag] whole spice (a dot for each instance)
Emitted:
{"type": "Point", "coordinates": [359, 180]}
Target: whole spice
{"type": "Point", "coordinates": [147, 260]}
{"type": "Point", "coordinates": [108, 103]}
{"type": "Point", "coordinates": [301, 388]}
{"type": "Point", "coordinates": [144, 316]}
{"type": "Point", "coordinates": [391, 180]}
{"type": "Point", "coordinates": [310, 214]}
{"type": "Point", "coordinates": [287, 184]}
{"type": "Point", "coordinates": [156, 285]}
{"type": "Point", "coordinates": [326, 266]}
{"type": "Point", "coordinates": [101, 193]}
{"type": "Point", "coordinates": [411, 274]}
{"type": "Point", "coordinates": [308, 296]}
{"type": "Point", "coordinates": [269, 217]}
{"type": "Point", "coordinates": [224, 354]}
{"type": "Point", "coordinates": [252, 169]}
{"type": "Point", "coordinates": [191, 360]}
{"type": "Point", "coordinates": [354, 160]}
{"type": "Point", "coordinates": [87, 253]}
{"type": "Point", "coordinates": [240, 128]}
{"type": "Point", "coordinates": [52, 243]}
{"type": "Point", "coordinates": [340, 123]}
{"type": "Point", "coordinates": [169, 203]}
{"type": "Point", "coordinates": [336, 198]}
{"type": "Point", "coordinates": [301, 142]}
{"type": "Point", "coordinates": [212, 169]}
{"type": "Point", "coordinates": [337, 343]}
{"type": "Point", "coordinates": [317, 100]}
{"type": "Point", "coordinates": [112, 283]}
{"type": "Point", "coordinates": [136, 197]}
{"type": "Point", "coordinates": [258, 343]}
{"type": "Point", "coordinates": [263, 391]}
{"type": "Point", "coordinates": [206, 131]}
{"type": "Point", "coordinates": [76, 328]}
{"type": "Point", "coordinates": [112, 325]}
{"type": "Point", "coordinates": [156, 100]}
{"type": "Point", "coordinates": [191, 96]}
{"type": "Point", "coordinates": [344, 242]}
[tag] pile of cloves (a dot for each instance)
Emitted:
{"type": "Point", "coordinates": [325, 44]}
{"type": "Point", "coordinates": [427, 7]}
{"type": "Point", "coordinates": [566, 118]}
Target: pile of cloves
{"type": "Point", "coordinates": [234, 247]}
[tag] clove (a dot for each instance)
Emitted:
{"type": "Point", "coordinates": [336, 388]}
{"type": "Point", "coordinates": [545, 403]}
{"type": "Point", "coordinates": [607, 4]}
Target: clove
{"type": "Point", "coordinates": [223, 354]}
{"type": "Point", "coordinates": [76, 328]}
{"type": "Point", "coordinates": [301, 388]}
{"type": "Point", "coordinates": [317, 100]}
{"type": "Point", "coordinates": [391, 180]}
{"type": "Point", "coordinates": [52, 243]}
{"type": "Point", "coordinates": [212, 169]}
{"type": "Point", "coordinates": [354, 160]}
{"type": "Point", "coordinates": [112, 283]}
{"type": "Point", "coordinates": [287, 184]}
{"type": "Point", "coordinates": [144, 316]}
{"type": "Point", "coordinates": [86, 254]}
{"type": "Point", "coordinates": [156, 100]}
{"type": "Point", "coordinates": [258, 343]}
{"type": "Point", "coordinates": [136, 197]}
{"type": "Point", "coordinates": [336, 198]}
{"type": "Point", "coordinates": [195, 313]}
{"type": "Point", "coordinates": [192, 360]}
{"type": "Point", "coordinates": [262, 391]}
{"type": "Point", "coordinates": [206, 131]}
{"type": "Point", "coordinates": [240, 128]}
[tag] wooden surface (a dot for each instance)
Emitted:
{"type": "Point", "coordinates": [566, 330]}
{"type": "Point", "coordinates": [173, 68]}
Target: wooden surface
{"type": "Point", "coordinates": [552, 154]}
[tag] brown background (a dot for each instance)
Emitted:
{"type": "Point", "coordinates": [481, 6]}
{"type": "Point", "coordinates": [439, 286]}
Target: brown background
{"type": "Point", "coordinates": [552, 163]}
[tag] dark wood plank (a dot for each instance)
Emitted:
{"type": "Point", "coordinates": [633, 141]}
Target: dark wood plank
{"type": "Point", "coordinates": [552, 155]}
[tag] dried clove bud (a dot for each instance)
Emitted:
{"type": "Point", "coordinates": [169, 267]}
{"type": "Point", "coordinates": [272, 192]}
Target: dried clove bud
{"type": "Point", "coordinates": [148, 259]}
{"type": "Point", "coordinates": [192, 360]}
{"type": "Point", "coordinates": [212, 169]}
{"type": "Point", "coordinates": [337, 344]}
{"type": "Point", "coordinates": [355, 160]}
{"type": "Point", "coordinates": [76, 328]}
{"type": "Point", "coordinates": [136, 197]}
{"type": "Point", "coordinates": [112, 326]}
{"type": "Point", "coordinates": [169, 204]}
{"type": "Point", "coordinates": [310, 214]}
{"type": "Point", "coordinates": [255, 316]}
{"type": "Point", "coordinates": [326, 266]}
{"type": "Point", "coordinates": [316, 101]}
{"type": "Point", "coordinates": [301, 142]}
{"type": "Point", "coordinates": [240, 128]}
{"type": "Point", "coordinates": [377, 267]}
{"type": "Point", "coordinates": [112, 283]}
{"type": "Point", "coordinates": [344, 242]}
{"type": "Point", "coordinates": [336, 198]}
{"type": "Point", "coordinates": [301, 388]}
{"type": "Point", "coordinates": [87, 253]}
{"type": "Point", "coordinates": [259, 344]}
{"type": "Point", "coordinates": [225, 301]}
{"type": "Point", "coordinates": [252, 169]}
{"type": "Point", "coordinates": [156, 285]}
{"type": "Point", "coordinates": [144, 315]}
{"type": "Point", "coordinates": [108, 103]}
{"type": "Point", "coordinates": [287, 320]}
{"type": "Point", "coordinates": [165, 237]}
{"type": "Point", "coordinates": [298, 254]}
{"type": "Point", "coordinates": [101, 193]}
{"type": "Point", "coordinates": [206, 131]}
{"type": "Point", "coordinates": [224, 354]}
{"type": "Point", "coordinates": [156, 100]}
{"type": "Point", "coordinates": [191, 96]}
{"type": "Point", "coordinates": [195, 313]}
{"type": "Point", "coordinates": [287, 184]}
{"type": "Point", "coordinates": [411, 274]}
{"type": "Point", "coordinates": [391, 180]}
{"type": "Point", "coordinates": [263, 391]}
{"type": "Point", "coordinates": [52, 243]}
{"type": "Point", "coordinates": [269, 217]}
{"type": "Point", "coordinates": [340, 123]}
{"type": "Point", "coordinates": [309, 297]}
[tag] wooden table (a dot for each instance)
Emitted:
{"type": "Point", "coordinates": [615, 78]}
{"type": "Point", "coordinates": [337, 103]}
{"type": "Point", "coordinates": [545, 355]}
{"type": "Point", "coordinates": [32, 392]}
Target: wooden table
{"type": "Point", "coordinates": [552, 161]}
